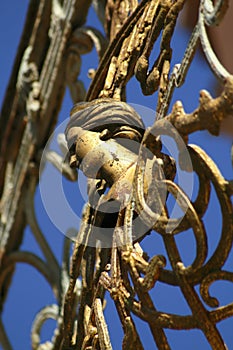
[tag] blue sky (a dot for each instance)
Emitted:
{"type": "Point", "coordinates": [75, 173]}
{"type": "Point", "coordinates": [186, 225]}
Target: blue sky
{"type": "Point", "coordinates": [29, 291]}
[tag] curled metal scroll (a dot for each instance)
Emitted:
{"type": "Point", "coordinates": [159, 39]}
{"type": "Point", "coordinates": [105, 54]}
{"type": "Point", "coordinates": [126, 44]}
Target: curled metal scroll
{"type": "Point", "coordinates": [139, 178]}
{"type": "Point", "coordinates": [210, 14]}
{"type": "Point", "coordinates": [141, 273]}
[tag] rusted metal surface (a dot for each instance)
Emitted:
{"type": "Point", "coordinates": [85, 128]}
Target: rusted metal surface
{"type": "Point", "coordinates": [29, 114]}
{"type": "Point", "coordinates": [129, 177]}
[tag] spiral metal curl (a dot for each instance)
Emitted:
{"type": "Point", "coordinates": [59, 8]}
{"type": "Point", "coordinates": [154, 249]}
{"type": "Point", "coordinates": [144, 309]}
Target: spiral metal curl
{"type": "Point", "coordinates": [124, 269]}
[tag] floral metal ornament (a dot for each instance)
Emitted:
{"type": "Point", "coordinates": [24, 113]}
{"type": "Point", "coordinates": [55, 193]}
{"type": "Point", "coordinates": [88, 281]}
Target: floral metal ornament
{"type": "Point", "coordinates": [130, 177]}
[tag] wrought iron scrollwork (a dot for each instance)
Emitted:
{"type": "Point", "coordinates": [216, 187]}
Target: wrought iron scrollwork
{"type": "Point", "coordinates": [130, 179]}
{"type": "Point", "coordinates": [126, 258]}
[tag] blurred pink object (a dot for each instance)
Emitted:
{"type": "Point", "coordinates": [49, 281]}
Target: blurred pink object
{"type": "Point", "coordinates": [221, 38]}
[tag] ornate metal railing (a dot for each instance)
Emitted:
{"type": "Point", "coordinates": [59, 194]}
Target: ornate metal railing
{"type": "Point", "coordinates": [130, 176]}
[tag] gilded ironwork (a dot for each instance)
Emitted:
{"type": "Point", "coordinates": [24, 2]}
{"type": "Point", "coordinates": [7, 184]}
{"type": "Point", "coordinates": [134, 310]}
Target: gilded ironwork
{"type": "Point", "coordinates": [129, 175]}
